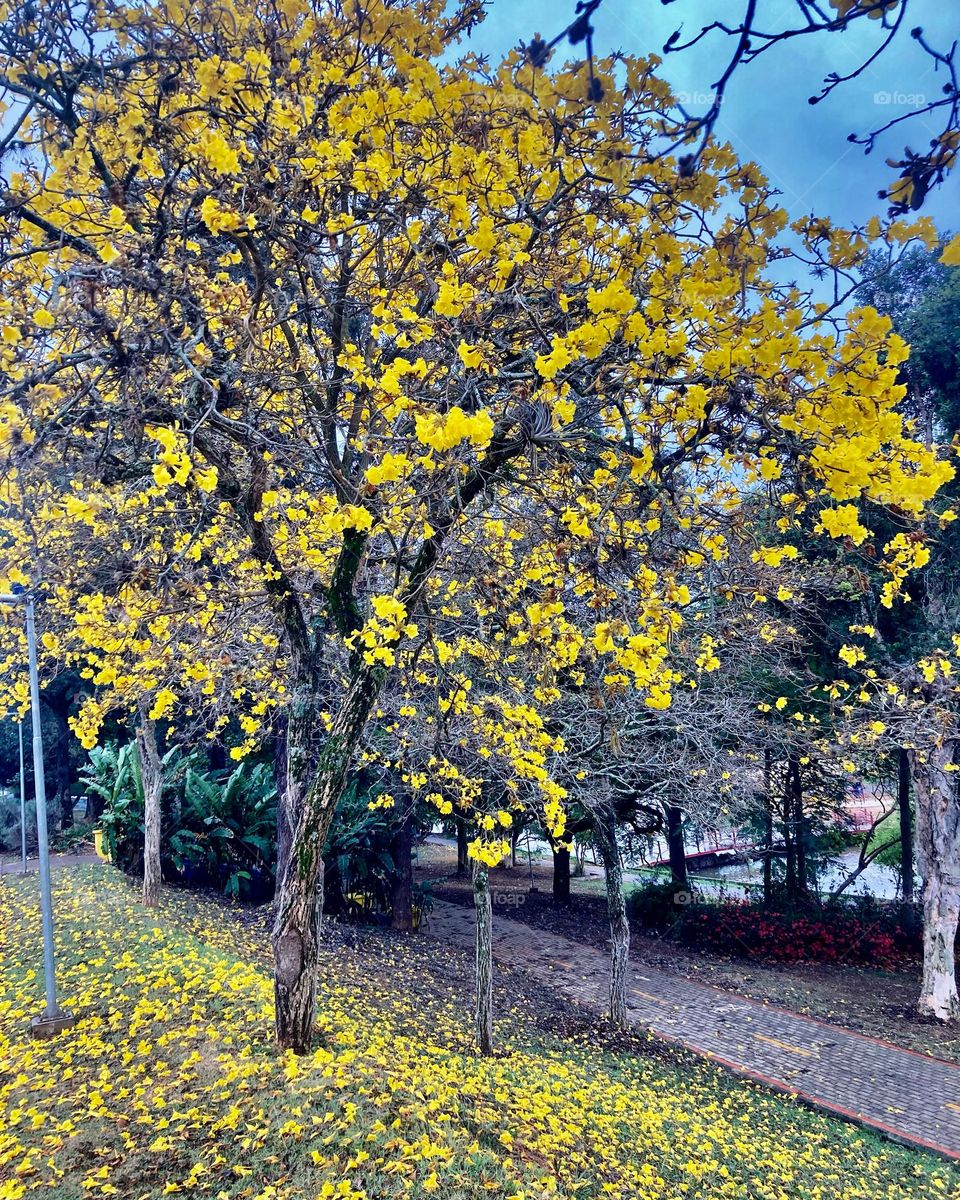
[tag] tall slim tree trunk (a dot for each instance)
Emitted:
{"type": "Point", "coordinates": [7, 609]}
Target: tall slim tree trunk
{"type": "Point", "coordinates": [938, 856]}
{"type": "Point", "coordinates": [284, 829]}
{"type": "Point", "coordinates": [799, 829]}
{"type": "Point", "coordinates": [561, 876]}
{"type": "Point", "coordinates": [767, 826]}
{"type": "Point", "coordinates": [151, 774]}
{"type": "Point", "coordinates": [463, 864]}
{"type": "Point", "coordinates": [789, 836]}
{"type": "Point", "coordinates": [483, 1010]}
{"type": "Point", "coordinates": [675, 847]}
{"type": "Point", "coordinates": [310, 798]}
{"type": "Point", "coordinates": [63, 770]}
{"type": "Point", "coordinates": [619, 925]}
{"type": "Point", "coordinates": [906, 823]}
{"type": "Point", "coordinates": [401, 850]}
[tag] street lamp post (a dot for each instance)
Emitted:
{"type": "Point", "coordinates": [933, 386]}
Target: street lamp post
{"type": "Point", "coordinates": [23, 805]}
{"type": "Point", "coordinates": [54, 1018]}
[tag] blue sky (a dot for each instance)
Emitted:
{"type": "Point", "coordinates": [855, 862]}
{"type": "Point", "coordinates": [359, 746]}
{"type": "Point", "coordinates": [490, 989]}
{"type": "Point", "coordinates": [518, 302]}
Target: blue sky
{"type": "Point", "coordinates": [803, 149]}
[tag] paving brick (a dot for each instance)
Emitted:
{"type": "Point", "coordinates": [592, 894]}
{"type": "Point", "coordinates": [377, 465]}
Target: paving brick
{"type": "Point", "coordinates": [903, 1094]}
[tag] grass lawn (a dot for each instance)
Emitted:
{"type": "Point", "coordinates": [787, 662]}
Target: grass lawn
{"type": "Point", "coordinates": [169, 1084]}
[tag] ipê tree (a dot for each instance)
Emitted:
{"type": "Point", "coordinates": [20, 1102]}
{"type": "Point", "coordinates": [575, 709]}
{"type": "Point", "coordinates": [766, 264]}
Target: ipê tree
{"type": "Point", "coordinates": [627, 764]}
{"type": "Point", "coordinates": [312, 304]}
{"type": "Point", "coordinates": [916, 708]}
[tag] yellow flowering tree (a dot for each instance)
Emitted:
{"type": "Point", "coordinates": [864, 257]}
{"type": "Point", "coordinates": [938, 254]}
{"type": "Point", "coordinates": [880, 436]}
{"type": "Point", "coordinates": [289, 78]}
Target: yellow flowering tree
{"type": "Point", "coordinates": [304, 323]}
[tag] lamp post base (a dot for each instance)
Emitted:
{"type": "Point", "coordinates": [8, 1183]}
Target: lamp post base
{"type": "Point", "coordinates": [49, 1027]}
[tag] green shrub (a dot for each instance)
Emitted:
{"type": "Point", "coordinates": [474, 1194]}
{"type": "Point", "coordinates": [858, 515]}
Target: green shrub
{"type": "Point", "coordinates": [113, 774]}
{"type": "Point", "coordinates": [75, 839]}
{"type": "Point", "coordinates": [218, 828]}
{"type": "Point", "coordinates": [226, 835]}
{"type": "Point", "coordinates": [359, 867]}
{"type": "Point", "coordinates": [10, 821]}
{"type": "Point", "coordinates": [657, 905]}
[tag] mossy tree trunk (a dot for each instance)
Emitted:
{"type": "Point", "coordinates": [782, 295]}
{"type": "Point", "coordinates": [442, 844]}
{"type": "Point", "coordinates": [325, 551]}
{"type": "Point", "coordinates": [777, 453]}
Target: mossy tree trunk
{"type": "Point", "coordinates": [310, 798]}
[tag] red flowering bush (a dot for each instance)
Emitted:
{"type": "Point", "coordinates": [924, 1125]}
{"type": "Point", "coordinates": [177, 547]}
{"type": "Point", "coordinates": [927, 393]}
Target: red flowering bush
{"type": "Point", "coordinates": [871, 937]}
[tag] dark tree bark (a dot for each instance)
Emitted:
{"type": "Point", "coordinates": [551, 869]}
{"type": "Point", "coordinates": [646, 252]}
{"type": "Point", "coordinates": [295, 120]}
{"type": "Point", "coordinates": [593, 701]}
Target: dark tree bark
{"type": "Point", "coordinates": [483, 1009]}
{"type": "Point", "coordinates": [284, 828]}
{"type": "Point", "coordinates": [62, 768]}
{"type": "Point", "coordinates": [216, 755]}
{"type": "Point", "coordinates": [767, 827]}
{"type": "Point", "coordinates": [463, 865]}
{"type": "Point", "coordinates": [95, 806]}
{"type": "Point", "coordinates": [800, 830]}
{"type": "Point", "coordinates": [906, 823]}
{"type": "Point", "coordinates": [789, 840]}
{"type": "Point", "coordinates": [401, 850]}
{"type": "Point", "coordinates": [561, 876]}
{"type": "Point", "coordinates": [58, 699]}
{"type": "Point", "coordinates": [675, 847]}
{"type": "Point", "coordinates": [315, 779]}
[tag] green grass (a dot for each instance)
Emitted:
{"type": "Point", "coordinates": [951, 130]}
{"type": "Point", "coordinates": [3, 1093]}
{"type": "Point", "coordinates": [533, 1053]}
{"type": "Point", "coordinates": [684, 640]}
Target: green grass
{"type": "Point", "coordinates": [170, 1085]}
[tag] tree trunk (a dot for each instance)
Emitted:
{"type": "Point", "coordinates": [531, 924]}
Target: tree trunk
{"type": "Point", "coordinates": [151, 775]}
{"type": "Point", "coordinates": [938, 855]}
{"type": "Point", "coordinates": [62, 770]}
{"type": "Point", "coordinates": [619, 925]}
{"type": "Point", "coordinates": [463, 864]}
{"type": "Point", "coordinates": [906, 824]}
{"type": "Point", "coordinates": [767, 827]}
{"type": "Point", "coordinates": [789, 840]}
{"type": "Point", "coordinates": [310, 799]}
{"type": "Point", "coordinates": [799, 829]}
{"type": "Point", "coordinates": [561, 876]}
{"type": "Point", "coordinates": [401, 850]}
{"type": "Point", "coordinates": [483, 1011]}
{"type": "Point", "coordinates": [284, 829]}
{"type": "Point", "coordinates": [676, 848]}
{"type": "Point", "coordinates": [216, 755]}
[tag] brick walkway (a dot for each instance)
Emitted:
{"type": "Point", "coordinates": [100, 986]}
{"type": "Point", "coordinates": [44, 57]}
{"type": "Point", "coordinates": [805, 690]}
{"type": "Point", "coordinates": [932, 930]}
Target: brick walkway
{"type": "Point", "coordinates": [905, 1095]}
